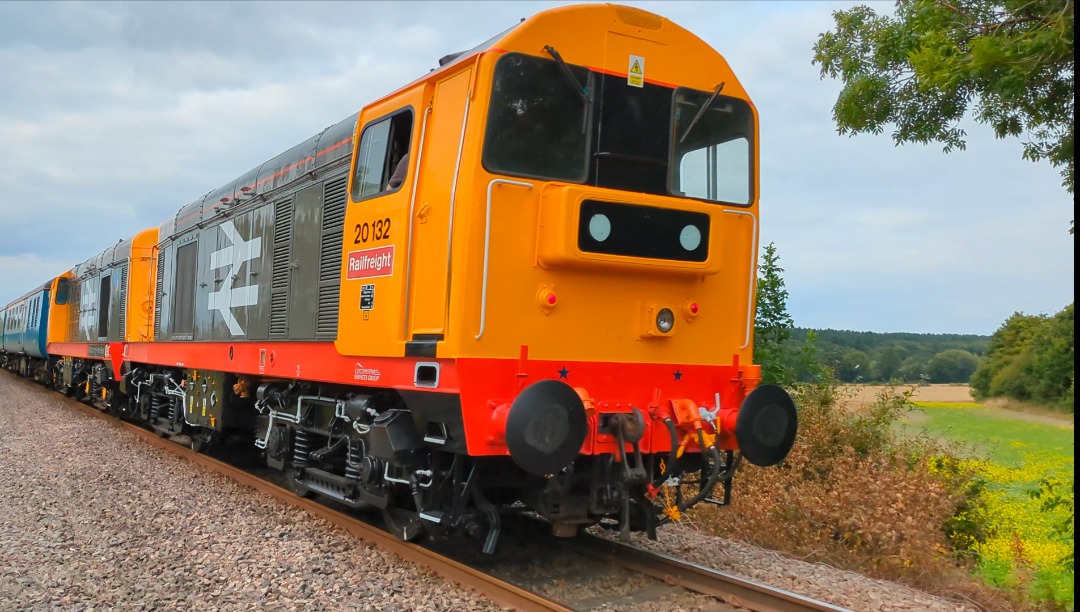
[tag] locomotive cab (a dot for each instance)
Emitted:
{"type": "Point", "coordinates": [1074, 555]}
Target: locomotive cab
{"type": "Point", "coordinates": [569, 266]}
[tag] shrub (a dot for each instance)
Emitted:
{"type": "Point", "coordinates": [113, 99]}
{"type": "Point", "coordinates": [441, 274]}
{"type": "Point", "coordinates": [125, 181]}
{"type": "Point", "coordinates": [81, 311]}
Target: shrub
{"type": "Point", "coordinates": [850, 494]}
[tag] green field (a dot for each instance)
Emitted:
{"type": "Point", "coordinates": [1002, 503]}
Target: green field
{"type": "Point", "coordinates": [1023, 544]}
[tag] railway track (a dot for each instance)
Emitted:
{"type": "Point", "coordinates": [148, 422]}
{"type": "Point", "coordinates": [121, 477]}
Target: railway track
{"type": "Point", "coordinates": [669, 574]}
{"type": "Point", "coordinates": [730, 588]}
{"type": "Point", "coordinates": [498, 590]}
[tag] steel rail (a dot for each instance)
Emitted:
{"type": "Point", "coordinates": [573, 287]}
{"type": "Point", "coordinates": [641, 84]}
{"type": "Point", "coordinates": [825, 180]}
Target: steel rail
{"type": "Point", "coordinates": [499, 591]}
{"type": "Point", "coordinates": [731, 589]}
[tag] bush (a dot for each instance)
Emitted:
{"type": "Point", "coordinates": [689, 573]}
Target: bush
{"type": "Point", "coordinates": [1030, 359]}
{"type": "Point", "coordinates": [852, 495]}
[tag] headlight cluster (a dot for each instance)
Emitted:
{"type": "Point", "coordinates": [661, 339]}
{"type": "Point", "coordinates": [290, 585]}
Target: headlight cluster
{"type": "Point", "coordinates": [665, 320]}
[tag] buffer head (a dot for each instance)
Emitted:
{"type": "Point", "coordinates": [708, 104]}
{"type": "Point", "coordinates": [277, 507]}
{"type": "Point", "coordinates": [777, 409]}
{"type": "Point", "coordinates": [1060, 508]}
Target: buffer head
{"type": "Point", "coordinates": [766, 426]}
{"type": "Point", "coordinates": [546, 427]}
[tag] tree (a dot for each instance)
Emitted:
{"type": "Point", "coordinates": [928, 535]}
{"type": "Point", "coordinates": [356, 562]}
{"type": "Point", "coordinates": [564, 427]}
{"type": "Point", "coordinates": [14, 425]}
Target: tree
{"type": "Point", "coordinates": [913, 369]}
{"type": "Point", "coordinates": [886, 365]}
{"type": "Point", "coordinates": [1031, 358]}
{"type": "Point", "coordinates": [952, 366]}
{"type": "Point", "coordinates": [854, 366]}
{"type": "Point", "coordinates": [772, 323]}
{"type": "Point", "coordinates": [1051, 358]}
{"type": "Point", "coordinates": [921, 69]}
{"type": "Point", "coordinates": [783, 360]}
{"type": "Point", "coordinates": [998, 375]}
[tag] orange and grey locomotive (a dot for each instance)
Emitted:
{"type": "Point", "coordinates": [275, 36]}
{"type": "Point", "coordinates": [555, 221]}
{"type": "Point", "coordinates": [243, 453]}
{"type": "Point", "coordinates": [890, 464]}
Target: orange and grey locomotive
{"type": "Point", "coordinates": [524, 281]}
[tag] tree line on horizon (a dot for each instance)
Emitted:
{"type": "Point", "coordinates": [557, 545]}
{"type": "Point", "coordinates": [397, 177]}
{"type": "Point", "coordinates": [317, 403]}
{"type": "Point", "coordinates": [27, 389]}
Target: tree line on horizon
{"type": "Point", "coordinates": [1030, 358]}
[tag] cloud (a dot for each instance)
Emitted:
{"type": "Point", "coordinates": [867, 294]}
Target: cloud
{"type": "Point", "coordinates": [115, 115]}
{"type": "Point", "coordinates": [27, 272]}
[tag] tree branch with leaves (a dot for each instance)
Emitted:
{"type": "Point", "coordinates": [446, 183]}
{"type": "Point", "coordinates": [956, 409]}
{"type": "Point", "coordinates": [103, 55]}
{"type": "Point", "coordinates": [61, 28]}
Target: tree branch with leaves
{"type": "Point", "coordinates": [1009, 62]}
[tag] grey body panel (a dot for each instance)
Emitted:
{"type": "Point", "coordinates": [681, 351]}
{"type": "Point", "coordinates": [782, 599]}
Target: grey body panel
{"type": "Point", "coordinates": [288, 167]}
{"type": "Point", "coordinates": [304, 269]}
{"type": "Point", "coordinates": [87, 299]}
{"type": "Point", "coordinates": [206, 280]}
{"type": "Point", "coordinates": [269, 248]}
{"type": "Point", "coordinates": [257, 316]}
{"type": "Point", "coordinates": [189, 216]}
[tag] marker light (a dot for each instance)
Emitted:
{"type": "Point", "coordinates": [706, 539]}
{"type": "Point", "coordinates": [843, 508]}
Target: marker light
{"type": "Point", "coordinates": [599, 227]}
{"type": "Point", "coordinates": [546, 298]}
{"type": "Point", "coordinates": [665, 320]}
{"type": "Point", "coordinates": [690, 237]}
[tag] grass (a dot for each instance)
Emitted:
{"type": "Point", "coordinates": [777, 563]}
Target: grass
{"type": "Point", "coordinates": [992, 433]}
{"type": "Point", "coordinates": [1023, 544]}
{"type": "Point", "coordinates": [938, 498]}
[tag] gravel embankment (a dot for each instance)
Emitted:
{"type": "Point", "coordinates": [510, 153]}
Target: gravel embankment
{"type": "Point", "coordinates": [822, 582]}
{"type": "Point", "coordinates": [93, 517]}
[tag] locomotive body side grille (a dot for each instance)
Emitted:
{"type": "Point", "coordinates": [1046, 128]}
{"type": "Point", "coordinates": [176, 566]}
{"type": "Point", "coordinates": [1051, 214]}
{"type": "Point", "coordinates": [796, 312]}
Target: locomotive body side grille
{"type": "Point", "coordinates": [279, 285]}
{"type": "Point", "coordinates": [158, 332]}
{"type": "Point", "coordinates": [330, 257]}
{"type": "Point", "coordinates": [123, 301]}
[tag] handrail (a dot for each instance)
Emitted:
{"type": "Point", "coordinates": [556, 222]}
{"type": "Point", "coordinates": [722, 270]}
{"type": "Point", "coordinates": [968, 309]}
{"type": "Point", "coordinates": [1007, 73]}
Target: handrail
{"type": "Point", "coordinates": [487, 246]}
{"type": "Point", "coordinates": [453, 199]}
{"type": "Point", "coordinates": [753, 276]}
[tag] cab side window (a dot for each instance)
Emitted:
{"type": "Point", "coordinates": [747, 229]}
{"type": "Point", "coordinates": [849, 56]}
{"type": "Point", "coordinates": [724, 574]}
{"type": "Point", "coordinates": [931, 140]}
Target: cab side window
{"type": "Point", "coordinates": [382, 158]}
{"type": "Point", "coordinates": [63, 287]}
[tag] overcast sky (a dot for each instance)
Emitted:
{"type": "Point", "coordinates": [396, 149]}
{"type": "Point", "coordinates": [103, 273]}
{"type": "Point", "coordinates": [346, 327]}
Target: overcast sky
{"type": "Point", "coordinates": [113, 116]}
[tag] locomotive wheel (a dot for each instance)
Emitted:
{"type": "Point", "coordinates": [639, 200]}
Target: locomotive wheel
{"type": "Point", "coordinates": [112, 404]}
{"type": "Point", "coordinates": [199, 442]}
{"type": "Point", "coordinates": [402, 520]}
{"type": "Point", "coordinates": [296, 483]}
{"type": "Point", "coordinates": [142, 411]}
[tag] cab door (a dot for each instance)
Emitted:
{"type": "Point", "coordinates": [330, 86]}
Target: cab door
{"type": "Point", "coordinates": [375, 245]}
{"type": "Point", "coordinates": [432, 211]}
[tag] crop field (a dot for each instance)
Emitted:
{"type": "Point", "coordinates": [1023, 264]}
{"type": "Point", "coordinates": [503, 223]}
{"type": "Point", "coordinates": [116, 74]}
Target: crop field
{"type": "Point", "coordinates": [1025, 463]}
{"type": "Point", "coordinates": [929, 393]}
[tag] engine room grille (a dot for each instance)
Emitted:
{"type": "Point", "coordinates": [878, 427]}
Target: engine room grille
{"type": "Point", "coordinates": [279, 284]}
{"type": "Point", "coordinates": [279, 320]}
{"type": "Point", "coordinates": [75, 299]}
{"type": "Point", "coordinates": [334, 202]}
{"type": "Point", "coordinates": [282, 243]}
{"type": "Point", "coordinates": [159, 292]}
{"type": "Point", "coordinates": [124, 297]}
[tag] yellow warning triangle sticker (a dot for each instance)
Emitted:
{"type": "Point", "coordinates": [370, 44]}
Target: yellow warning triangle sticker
{"type": "Point", "coordinates": [636, 68]}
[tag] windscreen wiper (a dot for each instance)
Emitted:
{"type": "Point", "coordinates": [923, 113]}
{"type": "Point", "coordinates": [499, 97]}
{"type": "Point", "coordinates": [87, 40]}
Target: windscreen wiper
{"type": "Point", "coordinates": [573, 80]}
{"type": "Point", "coordinates": [701, 111]}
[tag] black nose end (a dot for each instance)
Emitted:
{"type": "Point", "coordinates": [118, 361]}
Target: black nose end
{"type": "Point", "coordinates": [546, 427]}
{"type": "Point", "coordinates": [766, 426]}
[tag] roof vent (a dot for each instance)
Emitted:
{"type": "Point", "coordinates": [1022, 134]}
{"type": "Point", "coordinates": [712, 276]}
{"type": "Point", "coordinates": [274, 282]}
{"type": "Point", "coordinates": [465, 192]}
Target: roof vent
{"type": "Point", "coordinates": [639, 18]}
{"type": "Point", "coordinates": [446, 59]}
